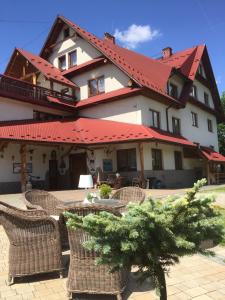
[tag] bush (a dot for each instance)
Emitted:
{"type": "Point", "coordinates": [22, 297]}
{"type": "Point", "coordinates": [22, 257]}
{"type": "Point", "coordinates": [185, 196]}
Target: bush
{"type": "Point", "coordinates": [153, 235]}
{"type": "Point", "coordinates": [105, 191]}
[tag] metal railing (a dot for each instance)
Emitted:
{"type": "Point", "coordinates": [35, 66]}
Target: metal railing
{"type": "Point", "coordinates": [13, 87]}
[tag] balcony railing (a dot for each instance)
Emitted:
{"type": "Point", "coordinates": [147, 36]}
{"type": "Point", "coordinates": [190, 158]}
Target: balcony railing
{"type": "Point", "coordinates": [19, 89]}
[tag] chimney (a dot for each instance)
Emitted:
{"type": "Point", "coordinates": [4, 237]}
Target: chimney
{"type": "Point", "coordinates": [167, 52]}
{"type": "Point", "coordinates": [109, 37]}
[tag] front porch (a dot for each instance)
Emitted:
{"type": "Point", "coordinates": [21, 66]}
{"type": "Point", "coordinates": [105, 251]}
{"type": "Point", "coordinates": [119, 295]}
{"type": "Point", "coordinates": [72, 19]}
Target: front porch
{"type": "Point", "coordinates": [58, 166]}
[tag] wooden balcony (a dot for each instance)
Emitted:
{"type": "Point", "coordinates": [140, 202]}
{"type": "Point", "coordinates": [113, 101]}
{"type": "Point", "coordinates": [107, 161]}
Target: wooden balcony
{"type": "Point", "coordinates": [18, 89]}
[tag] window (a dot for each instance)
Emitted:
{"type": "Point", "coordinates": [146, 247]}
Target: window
{"type": "Point", "coordinates": [194, 92]}
{"type": "Point", "coordinates": [157, 159]}
{"type": "Point", "coordinates": [66, 33]}
{"type": "Point", "coordinates": [210, 125]}
{"type": "Point", "coordinates": [194, 117]}
{"type": "Point", "coordinates": [178, 160]}
{"type": "Point", "coordinates": [173, 90]}
{"type": "Point", "coordinates": [176, 125]}
{"type": "Point", "coordinates": [200, 70]}
{"type": "Point", "coordinates": [155, 118]}
{"type": "Point", "coordinates": [206, 99]}
{"type": "Point", "coordinates": [126, 160]}
{"type": "Point", "coordinates": [62, 62]}
{"type": "Point", "coordinates": [72, 59]}
{"type": "Point", "coordinates": [96, 86]}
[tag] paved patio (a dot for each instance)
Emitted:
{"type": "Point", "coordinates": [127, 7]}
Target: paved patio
{"type": "Point", "coordinates": [196, 277]}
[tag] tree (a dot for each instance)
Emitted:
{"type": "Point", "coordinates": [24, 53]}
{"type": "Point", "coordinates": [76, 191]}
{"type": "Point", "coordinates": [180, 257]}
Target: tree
{"type": "Point", "coordinates": [221, 128]}
{"type": "Point", "coordinates": [152, 235]}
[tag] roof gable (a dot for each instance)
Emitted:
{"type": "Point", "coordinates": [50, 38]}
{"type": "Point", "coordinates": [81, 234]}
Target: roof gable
{"type": "Point", "coordinates": [47, 69]}
{"type": "Point", "coordinates": [145, 71]}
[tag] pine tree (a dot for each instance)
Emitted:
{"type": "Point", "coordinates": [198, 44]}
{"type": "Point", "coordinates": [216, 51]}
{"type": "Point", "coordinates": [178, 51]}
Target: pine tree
{"type": "Point", "coordinates": [153, 235]}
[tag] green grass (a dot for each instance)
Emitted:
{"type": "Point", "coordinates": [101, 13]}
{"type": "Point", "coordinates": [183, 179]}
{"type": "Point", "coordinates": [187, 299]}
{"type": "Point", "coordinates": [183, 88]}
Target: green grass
{"type": "Point", "coordinates": [215, 190]}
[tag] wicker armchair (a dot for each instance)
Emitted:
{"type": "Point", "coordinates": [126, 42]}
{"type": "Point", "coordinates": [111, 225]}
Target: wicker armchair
{"type": "Point", "coordinates": [48, 202]}
{"type": "Point", "coordinates": [130, 194]}
{"type": "Point", "coordinates": [84, 275]}
{"type": "Point", "coordinates": [34, 242]}
{"type": "Point", "coordinates": [42, 199]}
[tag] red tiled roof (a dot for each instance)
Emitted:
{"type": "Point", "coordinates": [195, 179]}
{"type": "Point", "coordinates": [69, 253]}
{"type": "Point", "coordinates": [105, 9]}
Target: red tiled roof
{"type": "Point", "coordinates": [85, 131]}
{"type": "Point", "coordinates": [58, 101]}
{"type": "Point", "coordinates": [46, 68]}
{"type": "Point", "coordinates": [144, 70]}
{"type": "Point", "coordinates": [187, 60]}
{"type": "Point", "coordinates": [111, 96]}
{"type": "Point", "coordinates": [83, 66]}
{"type": "Point", "coordinates": [211, 155]}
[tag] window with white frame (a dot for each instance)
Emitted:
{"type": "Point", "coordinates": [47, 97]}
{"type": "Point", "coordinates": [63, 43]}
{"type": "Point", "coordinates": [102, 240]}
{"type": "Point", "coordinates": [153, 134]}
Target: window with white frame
{"type": "Point", "coordinates": [194, 92]}
{"type": "Point", "coordinates": [154, 118]}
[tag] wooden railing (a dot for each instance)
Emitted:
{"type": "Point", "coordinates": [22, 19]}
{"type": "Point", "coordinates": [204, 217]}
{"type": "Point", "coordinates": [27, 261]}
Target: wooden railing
{"type": "Point", "coordinates": [19, 89]}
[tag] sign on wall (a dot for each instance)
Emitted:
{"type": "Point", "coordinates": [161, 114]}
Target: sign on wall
{"type": "Point", "coordinates": [17, 168]}
{"type": "Point", "coordinates": [107, 165]}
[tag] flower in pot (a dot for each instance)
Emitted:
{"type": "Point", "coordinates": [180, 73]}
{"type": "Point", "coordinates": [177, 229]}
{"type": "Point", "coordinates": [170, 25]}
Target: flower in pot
{"type": "Point", "coordinates": [105, 191]}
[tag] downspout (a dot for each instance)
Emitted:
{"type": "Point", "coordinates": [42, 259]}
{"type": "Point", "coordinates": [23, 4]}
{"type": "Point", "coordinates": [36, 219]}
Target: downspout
{"type": "Point", "coordinates": [167, 117]}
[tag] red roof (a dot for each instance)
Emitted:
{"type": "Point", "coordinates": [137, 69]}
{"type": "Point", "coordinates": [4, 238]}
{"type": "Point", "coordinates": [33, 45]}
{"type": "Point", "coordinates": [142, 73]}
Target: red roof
{"type": "Point", "coordinates": [212, 155]}
{"type": "Point", "coordinates": [84, 131]}
{"type": "Point", "coordinates": [85, 66]}
{"type": "Point", "coordinates": [187, 60]}
{"type": "Point", "coordinates": [111, 96]}
{"type": "Point", "coordinates": [144, 70]}
{"type": "Point", "coordinates": [46, 68]}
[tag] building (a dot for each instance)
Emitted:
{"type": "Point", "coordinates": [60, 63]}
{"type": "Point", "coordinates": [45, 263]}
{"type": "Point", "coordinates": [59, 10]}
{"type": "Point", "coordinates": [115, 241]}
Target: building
{"type": "Point", "coordinates": [86, 104]}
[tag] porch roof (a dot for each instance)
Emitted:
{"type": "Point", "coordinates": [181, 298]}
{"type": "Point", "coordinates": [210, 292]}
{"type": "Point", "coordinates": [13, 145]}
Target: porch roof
{"type": "Point", "coordinates": [212, 155]}
{"type": "Point", "coordinates": [84, 131]}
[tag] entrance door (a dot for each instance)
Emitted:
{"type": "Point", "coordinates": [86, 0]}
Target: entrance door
{"type": "Point", "coordinates": [53, 174]}
{"type": "Point", "coordinates": [78, 166]}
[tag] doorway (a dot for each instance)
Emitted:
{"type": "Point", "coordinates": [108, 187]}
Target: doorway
{"type": "Point", "coordinates": [77, 166]}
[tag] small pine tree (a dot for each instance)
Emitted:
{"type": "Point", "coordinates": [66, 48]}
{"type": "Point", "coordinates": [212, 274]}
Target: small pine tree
{"type": "Point", "coordinates": [153, 235]}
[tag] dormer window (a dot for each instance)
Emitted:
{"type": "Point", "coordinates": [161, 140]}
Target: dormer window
{"type": "Point", "coordinates": [66, 33]}
{"type": "Point", "coordinates": [96, 86]}
{"type": "Point", "coordinates": [194, 92]}
{"type": "Point", "coordinates": [72, 59]}
{"type": "Point", "coordinates": [173, 90]}
{"type": "Point", "coordinates": [62, 62]}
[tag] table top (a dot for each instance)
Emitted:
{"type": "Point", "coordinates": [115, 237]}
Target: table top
{"type": "Point", "coordinates": [105, 202]}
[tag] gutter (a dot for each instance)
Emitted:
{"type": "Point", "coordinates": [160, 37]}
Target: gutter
{"type": "Point", "coordinates": [167, 117]}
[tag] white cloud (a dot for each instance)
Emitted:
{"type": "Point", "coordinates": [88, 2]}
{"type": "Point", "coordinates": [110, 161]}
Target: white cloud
{"type": "Point", "coordinates": [218, 80]}
{"type": "Point", "coordinates": [136, 34]}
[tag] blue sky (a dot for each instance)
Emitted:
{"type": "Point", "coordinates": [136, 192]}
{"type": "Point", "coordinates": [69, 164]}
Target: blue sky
{"type": "Point", "coordinates": [179, 24]}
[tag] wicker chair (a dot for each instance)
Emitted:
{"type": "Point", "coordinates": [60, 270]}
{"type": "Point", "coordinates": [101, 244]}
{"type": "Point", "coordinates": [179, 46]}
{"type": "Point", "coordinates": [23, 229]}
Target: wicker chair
{"type": "Point", "coordinates": [39, 198]}
{"type": "Point", "coordinates": [84, 275]}
{"type": "Point", "coordinates": [130, 194]}
{"type": "Point", "coordinates": [48, 202]}
{"type": "Point", "coordinates": [34, 242]}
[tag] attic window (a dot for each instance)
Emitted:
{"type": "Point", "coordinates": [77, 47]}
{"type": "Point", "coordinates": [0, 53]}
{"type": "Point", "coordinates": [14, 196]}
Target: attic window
{"type": "Point", "coordinates": [201, 70]}
{"type": "Point", "coordinates": [194, 92]}
{"type": "Point", "coordinates": [72, 59]}
{"type": "Point", "coordinates": [96, 86]}
{"type": "Point", "coordinates": [66, 33]}
{"type": "Point", "coordinates": [62, 62]}
{"type": "Point", "coordinates": [173, 90]}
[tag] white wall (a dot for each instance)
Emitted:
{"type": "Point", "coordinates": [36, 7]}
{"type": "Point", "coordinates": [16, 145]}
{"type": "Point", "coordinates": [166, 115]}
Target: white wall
{"type": "Point", "coordinates": [200, 93]}
{"type": "Point", "coordinates": [39, 167]}
{"type": "Point", "coordinates": [114, 79]}
{"type": "Point", "coordinates": [14, 110]}
{"type": "Point", "coordinates": [18, 110]}
{"type": "Point", "coordinates": [198, 134]}
{"type": "Point", "coordinates": [124, 110]}
{"type": "Point", "coordinates": [85, 51]}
